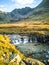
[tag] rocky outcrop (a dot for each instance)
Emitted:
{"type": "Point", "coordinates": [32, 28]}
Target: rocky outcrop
{"type": "Point", "coordinates": [30, 61]}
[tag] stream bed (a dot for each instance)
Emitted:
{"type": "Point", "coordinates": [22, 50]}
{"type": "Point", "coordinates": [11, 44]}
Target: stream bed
{"type": "Point", "coordinates": [30, 47]}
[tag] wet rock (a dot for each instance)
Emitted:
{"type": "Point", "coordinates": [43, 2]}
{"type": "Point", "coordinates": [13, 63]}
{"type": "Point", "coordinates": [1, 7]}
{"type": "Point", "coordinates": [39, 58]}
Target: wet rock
{"type": "Point", "coordinates": [48, 51]}
{"type": "Point", "coordinates": [47, 56]}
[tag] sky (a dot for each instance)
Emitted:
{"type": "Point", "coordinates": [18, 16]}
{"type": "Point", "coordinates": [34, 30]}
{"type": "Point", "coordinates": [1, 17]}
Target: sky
{"type": "Point", "coordinates": [9, 5]}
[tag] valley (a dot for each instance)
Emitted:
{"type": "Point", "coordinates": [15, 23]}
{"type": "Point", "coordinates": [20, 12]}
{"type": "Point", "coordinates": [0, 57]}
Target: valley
{"type": "Point", "coordinates": [24, 35]}
{"type": "Point", "coordinates": [25, 27]}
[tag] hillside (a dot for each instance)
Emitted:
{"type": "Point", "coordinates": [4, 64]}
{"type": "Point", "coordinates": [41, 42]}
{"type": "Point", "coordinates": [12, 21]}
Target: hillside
{"type": "Point", "coordinates": [8, 51]}
{"type": "Point", "coordinates": [4, 17]}
{"type": "Point", "coordinates": [41, 12]}
{"type": "Point", "coordinates": [15, 15]}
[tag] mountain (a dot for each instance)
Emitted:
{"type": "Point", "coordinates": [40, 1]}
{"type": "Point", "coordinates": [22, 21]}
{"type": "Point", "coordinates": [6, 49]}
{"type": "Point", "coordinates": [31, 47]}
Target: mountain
{"type": "Point", "coordinates": [45, 4]}
{"type": "Point", "coordinates": [18, 14]}
{"type": "Point", "coordinates": [22, 11]}
{"type": "Point", "coordinates": [41, 12]}
{"type": "Point", "coordinates": [4, 17]}
{"type": "Point", "coordinates": [15, 15]}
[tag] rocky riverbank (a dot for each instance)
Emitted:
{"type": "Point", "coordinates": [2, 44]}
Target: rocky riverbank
{"type": "Point", "coordinates": [35, 46]}
{"type": "Point", "coordinates": [10, 55]}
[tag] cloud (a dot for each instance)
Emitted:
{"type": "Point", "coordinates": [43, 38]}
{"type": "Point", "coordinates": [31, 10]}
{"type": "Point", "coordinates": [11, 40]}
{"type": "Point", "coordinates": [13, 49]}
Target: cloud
{"type": "Point", "coordinates": [12, 4]}
{"type": "Point", "coordinates": [1, 7]}
{"type": "Point", "coordinates": [23, 3]}
{"type": "Point", "coordinates": [4, 8]}
{"type": "Point", "coordinates": [26, 3]}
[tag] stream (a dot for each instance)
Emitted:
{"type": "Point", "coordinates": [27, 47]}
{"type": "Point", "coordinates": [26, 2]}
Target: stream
{"type": "Point", "coordinates": [30, 47]}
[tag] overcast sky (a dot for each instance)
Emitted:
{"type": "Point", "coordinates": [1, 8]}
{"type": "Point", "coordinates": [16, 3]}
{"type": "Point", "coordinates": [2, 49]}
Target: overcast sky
{"type": "Point", "coordinates": [9, 5]}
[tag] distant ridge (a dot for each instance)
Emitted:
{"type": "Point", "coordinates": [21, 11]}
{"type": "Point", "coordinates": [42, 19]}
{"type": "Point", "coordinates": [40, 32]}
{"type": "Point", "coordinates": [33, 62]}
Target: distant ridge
{"type": "Point", "coordinates": [41, 12]}
{"type": "Point", "coordinates": [15, 15]}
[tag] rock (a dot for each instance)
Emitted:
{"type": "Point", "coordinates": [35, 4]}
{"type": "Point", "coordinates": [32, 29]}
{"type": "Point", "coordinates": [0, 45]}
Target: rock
{"type": "Point", "coordinates": [30, 61]}
{"type": "Point", "coordinates": [48, 51]}
{"type": "Point", "coordinates": [47, 56]}
{"type": "Point", "coordinates": [22, 63]}
{"type": "Point", "coordinates": [16, 59]}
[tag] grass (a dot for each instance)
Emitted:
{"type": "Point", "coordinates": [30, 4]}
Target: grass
{"type": "Point", "coordinates": [25, 27]}
{"type": "Point", "coordinates": [6, 50]}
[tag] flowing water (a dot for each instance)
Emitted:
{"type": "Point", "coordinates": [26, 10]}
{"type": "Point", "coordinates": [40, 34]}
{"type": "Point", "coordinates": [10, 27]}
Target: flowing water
{"type": "Point", "coordinates": [30, 47]}
{"type": "Point", "coordinates": [18, 39]}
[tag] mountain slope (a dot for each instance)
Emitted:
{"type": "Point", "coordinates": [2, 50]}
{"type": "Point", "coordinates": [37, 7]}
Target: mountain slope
{"type": "Point", "coordinates": [4, 17]}
{"type": "Point", "coordinates": [45, 4]}
{"type": "Point", "coordinates": [41, 12]}
{"type": "Point", "coordinates": [19, 14]}
{"type": "Point", "coordinates": [15, 15]}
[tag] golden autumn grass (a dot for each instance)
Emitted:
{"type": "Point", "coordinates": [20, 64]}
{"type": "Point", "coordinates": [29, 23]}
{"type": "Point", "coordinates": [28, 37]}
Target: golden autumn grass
{"type": "Point", "coordinates": [25, 27]}
{"type": "Point", "coordinates": [7, 49]}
